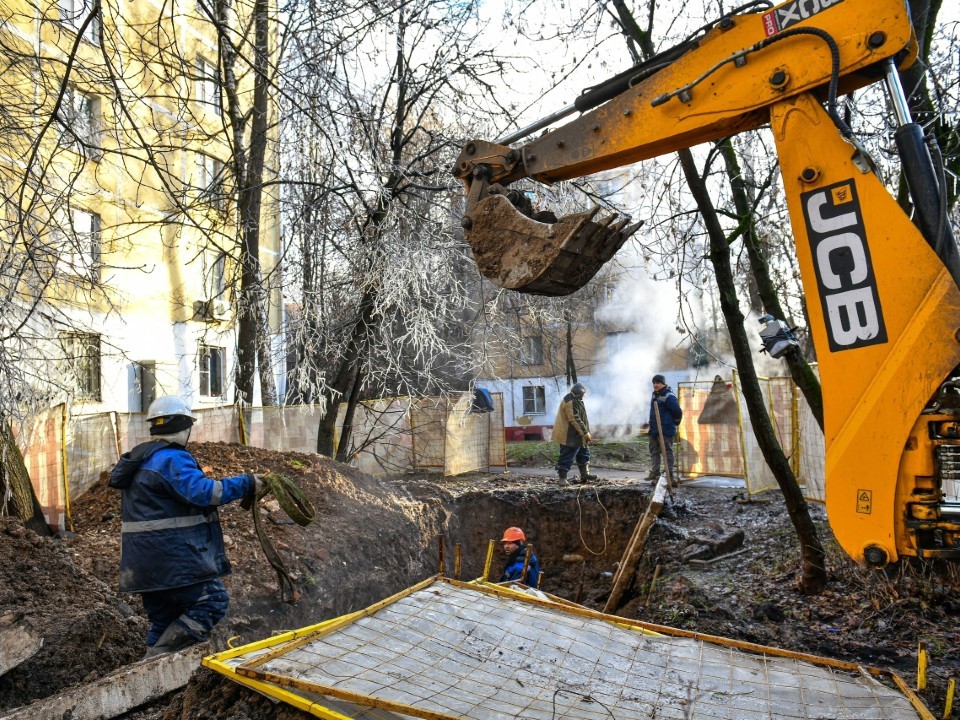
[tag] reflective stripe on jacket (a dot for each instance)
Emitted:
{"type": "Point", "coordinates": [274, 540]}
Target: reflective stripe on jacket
{"type": "Point", "coordinates": [171, 534]}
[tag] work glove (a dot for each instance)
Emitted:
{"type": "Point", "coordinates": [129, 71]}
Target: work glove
{"type": "Point", "coordinates": [253, 493]}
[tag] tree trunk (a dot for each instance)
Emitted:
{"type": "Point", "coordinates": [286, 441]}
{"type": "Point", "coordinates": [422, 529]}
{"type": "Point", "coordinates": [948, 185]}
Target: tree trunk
{"type": "Point", "coordinates": [571, 369]}
{"type": "Point", "coordinates": [800, 369]}
{"type": "Point", "coordinates": [814, 573]}
{"type": "Point", "coordinates": [13, 475]}
{"type": "Point", "coordinates": [253, 344]}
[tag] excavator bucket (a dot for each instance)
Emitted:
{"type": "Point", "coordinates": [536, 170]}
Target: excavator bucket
{"type": "Point", "coordinates": [557, 257]}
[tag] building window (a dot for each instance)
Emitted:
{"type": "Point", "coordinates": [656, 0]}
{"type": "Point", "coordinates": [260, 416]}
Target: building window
{"type": "Point", "coordinates": [74, 13]}
{"type": "Point", "coordinates": [614, 342]}
{"type": "Point", "coordinates": [80, 247]}
{"type": "Point", "coordinates": [82, 354]}
{"type": "Point", "coordinates": [79, 118]}
{"type": "Point", "coordinates": [210, 180]}
{"type": "Point", "coordinates": [534, 400]}
{"type": "Point", "coordinates": [208, 85]}
{"type": "Point", "coordinates": [531, 352]}
{"type": "Point", "coordinates": [211, 371]}
{"type": "Point", "coordinates": [214, 274]}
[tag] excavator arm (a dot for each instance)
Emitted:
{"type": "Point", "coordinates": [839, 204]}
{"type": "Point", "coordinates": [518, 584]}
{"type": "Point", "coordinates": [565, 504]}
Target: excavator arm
{"type": "Point", "coordinates": [882, 295]}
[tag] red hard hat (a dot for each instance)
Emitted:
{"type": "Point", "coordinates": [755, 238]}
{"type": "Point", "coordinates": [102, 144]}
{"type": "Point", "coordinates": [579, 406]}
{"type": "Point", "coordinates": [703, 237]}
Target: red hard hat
{"type": "Point", "coordinates": [513, 535]}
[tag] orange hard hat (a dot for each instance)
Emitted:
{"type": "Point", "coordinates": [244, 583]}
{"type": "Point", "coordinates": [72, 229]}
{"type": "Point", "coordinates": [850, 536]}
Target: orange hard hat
{"type": "Point", "coordinates": [513, 535]}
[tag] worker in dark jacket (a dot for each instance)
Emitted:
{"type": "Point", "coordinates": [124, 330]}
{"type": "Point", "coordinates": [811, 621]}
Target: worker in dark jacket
{"type": "Point", "coordinates": [514, 545]}
{"type": "Point", "coordinates": [171, 550]}
{"type": "Point", "coordinates": [571, 430]}
{"type": "Point", "coordinates": [666, 403]}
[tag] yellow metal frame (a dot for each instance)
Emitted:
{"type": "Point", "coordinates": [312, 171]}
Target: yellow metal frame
{"type": "Point", "coordinates": [275, 685]}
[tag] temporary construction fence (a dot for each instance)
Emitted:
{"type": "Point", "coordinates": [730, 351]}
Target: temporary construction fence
{"type": "Point", "coordinates": [65, 454]}
{"type": "Point", "coordinates": [716, 434]}
{"type": "Point", "coordinates": [446, 650]}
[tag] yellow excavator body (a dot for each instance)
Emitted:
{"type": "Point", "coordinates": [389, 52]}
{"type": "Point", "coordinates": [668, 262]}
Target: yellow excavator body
{"type": "Point", "coordinates": [882, 296]}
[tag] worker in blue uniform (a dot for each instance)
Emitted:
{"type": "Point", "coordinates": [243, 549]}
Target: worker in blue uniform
{"type": "Point", "coordinates": [514, 545]}
{"type": "Point", "coordinates": [171, 550]}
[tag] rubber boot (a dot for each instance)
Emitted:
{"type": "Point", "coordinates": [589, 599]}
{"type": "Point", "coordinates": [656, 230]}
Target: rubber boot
{"type": "Point", "coordinates": [653, 477]}
{"type": "Point", "coordinates": [585, 475]}
{"type": "Point", "coordinates": [175, 637]}
{"type": "Point", "coordinates": [562, 477]}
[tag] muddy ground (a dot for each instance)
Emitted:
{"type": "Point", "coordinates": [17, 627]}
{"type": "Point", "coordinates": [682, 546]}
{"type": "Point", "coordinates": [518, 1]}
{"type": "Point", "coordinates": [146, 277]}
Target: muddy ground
{"type": "Point", "coordinates": [373, 537]}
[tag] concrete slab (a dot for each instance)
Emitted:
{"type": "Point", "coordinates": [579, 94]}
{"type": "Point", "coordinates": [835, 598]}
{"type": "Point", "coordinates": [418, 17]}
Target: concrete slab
{"type": "Point", "coordinates": [119, 692]}
{"type": "Point", "coordinates": [17, 645]}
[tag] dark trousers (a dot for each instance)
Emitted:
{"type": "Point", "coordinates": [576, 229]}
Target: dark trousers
{"type": "Point", "coordinates": [197, 607]}
{"type": "Point", "coordinates": [569, 453]}
{"type": "Point", "coordinates": [655, 454]}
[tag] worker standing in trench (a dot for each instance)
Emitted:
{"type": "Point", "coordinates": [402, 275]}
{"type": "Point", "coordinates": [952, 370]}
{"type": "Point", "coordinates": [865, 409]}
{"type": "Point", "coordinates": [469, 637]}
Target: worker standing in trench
{"type": "Point", "coordinates": [171, 550]}
{"type": "Point", "coordinates": [514, 545]}
{"type": "Point", "coordinates": [572, 430]}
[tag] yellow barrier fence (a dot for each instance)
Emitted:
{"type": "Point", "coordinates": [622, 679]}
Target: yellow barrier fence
{"type": "Point", "coordinates": [716, 435]}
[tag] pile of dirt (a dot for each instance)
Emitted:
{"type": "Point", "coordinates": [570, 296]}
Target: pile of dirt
{"type": "Point", "coordinates": [372, 538]}
{"type": "Point", "coordinates": [365, 543]}
{"type": "Point", "coordinates": [87, 629]}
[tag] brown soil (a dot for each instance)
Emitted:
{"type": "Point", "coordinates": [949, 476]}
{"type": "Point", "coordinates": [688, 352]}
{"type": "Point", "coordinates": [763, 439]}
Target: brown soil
{"type": "Point", "coordinates": [372, 538]}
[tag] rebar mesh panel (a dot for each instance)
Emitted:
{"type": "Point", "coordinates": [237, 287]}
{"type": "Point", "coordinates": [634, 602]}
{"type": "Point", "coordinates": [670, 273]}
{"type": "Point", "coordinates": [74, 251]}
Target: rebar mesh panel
{"type": "Point", "coordinates": [710, 431]}
{"type": "Point", "coordinates": [460, 652]}
{"type": "Point", "coordinates": [91, 449]}
{"type": "Point", "coordinates": [40, 446]}
{"type": "Point", "coordinates": [292, 427]}
{"type": "Point", "coordinates": [812, 453]}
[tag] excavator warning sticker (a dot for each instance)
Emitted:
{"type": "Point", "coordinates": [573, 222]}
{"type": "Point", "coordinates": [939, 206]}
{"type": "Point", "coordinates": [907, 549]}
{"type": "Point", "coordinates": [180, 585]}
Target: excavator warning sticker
{"type": "Point", "coordinates": [790, 13]}
{"type": "Point", "coordinates": [865, 501]}
{"type": "Point", "coordinates": [852, 315]}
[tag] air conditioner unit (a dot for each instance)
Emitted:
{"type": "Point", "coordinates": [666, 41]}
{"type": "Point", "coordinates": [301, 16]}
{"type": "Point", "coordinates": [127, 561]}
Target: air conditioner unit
{"type": "Point", "coordinates": [211, 310]}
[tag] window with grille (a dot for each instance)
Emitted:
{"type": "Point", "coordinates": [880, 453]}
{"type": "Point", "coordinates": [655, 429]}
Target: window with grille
{"type": "Point", "coordinates": [211, 371]}
{"type": "Point", "coordinates": [79, 119]}
{"type": "Point", "coordinates": [82, 355]}
{"type": "Point", "coordinates": [74, 13]}
{"type": "Point", "coordinates": [534, 400]}
{"type": "Point", "coordinates": [208, 85]}
{"type": "Point", "coordinates": [80, 244]}
{"type": "Point", "coordinates": [531, 352]}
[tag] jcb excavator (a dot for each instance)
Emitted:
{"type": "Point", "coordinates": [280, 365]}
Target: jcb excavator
{"type": "Point", "coordinates": [882, 293]}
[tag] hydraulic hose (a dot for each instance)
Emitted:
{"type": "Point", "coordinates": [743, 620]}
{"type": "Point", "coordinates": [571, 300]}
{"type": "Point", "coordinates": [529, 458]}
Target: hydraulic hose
{"type": "Point", "coordinates": [296, 505]}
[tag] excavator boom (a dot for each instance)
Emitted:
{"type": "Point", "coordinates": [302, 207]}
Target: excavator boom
{"type": "Point", "coordinates": [882, 295]}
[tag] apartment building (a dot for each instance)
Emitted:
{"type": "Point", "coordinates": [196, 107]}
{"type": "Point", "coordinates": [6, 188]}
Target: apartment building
{"type": "Point", "coordinates": [120, 201]}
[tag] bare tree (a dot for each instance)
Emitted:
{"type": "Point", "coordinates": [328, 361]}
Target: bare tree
{"type": "Point", "coordinates": [377, 269]}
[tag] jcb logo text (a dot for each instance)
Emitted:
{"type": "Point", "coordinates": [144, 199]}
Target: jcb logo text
{"type": "Point", "coordinates": [841, 259]}
{"type": "Point", "coordinates": [793, 12]}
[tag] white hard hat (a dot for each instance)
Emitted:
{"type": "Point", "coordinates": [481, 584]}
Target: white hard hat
{"type": "Point", "coordinates": [167, 405]}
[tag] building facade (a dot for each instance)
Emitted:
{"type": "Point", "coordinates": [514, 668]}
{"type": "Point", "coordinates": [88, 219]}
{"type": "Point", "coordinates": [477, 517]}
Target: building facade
{"type": "Point", "coordinates": [118, 173]}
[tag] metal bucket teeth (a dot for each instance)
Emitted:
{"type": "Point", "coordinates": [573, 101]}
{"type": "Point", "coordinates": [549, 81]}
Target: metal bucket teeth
{"type": "Point", "coordinates": [519, 253]}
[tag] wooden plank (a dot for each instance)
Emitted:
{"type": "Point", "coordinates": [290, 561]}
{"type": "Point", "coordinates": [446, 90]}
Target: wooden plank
{"type": "Point", "coordinates": [17, 645]}
{"type": "Point", "coordinates": [119, 692]}
{"type": "Point", "coordinates": [633, 553]}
